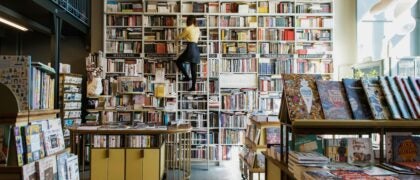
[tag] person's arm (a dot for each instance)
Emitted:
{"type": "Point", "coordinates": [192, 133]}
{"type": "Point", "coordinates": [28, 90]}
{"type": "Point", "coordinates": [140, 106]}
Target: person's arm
{"type": "Point", "coordinates": [182, 35]}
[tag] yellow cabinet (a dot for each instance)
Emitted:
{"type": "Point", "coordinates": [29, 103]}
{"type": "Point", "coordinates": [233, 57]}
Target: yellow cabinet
{"type": "Point", "coordinates": [99, 164]}
{"type": "Point", "coordinates": [107, 164]}
{"type": "Point", "coordinates": [116, 164]}
{"type": "Point", "coordinates": [134, 164]}
{"type": "Point", "coordinates": [143, 164]}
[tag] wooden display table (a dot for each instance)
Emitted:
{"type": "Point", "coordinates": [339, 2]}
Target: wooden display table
{"type": "Point", "coordinates": [168, 156]}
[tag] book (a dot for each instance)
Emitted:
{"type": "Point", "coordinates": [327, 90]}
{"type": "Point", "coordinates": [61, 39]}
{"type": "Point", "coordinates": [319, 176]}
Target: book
{"type": "Point", "coordinates": [360, 151]}
{"type": "Point", "coordinates": [388, 143]}
{"type": "Point", "coordinates": [308, 143]}
{"type": "Point", "coordinates": [333, 100]}
{"type": "Point", "coordinates": [413, 99]}
{"type": "Point", "coordinates": [20, 142]}
{"type": "Point", "coordinates": [34, 143]}
{"type": "Point", "coordinates": [272, 135]}
{"type": "Point", "coordinates": [405, 97]}
{"type": "Point", "coordinates": [307, 157]}
{"type": "Point", "coordinates": [357, 98]}
{"type": "Point", "coordinates": [393, 107]}
{"type": "Point", "coordinates": [402, 105]}
{"type": "Point", "coordinates": [72, 167]}
{"type": "Point", "coordinates": [336, 149]}
{"type": "Point", "coordinates": [414, 87]}
{"type": "Point", "coordinates": [54, 141]}
{"type": "Point", "coordinates": [376, 98]}
{"type": "Point", "coordinates": [5, 135]}
{"type": "Point", "coordinates": [414, 166]}
{"type": "Point", "coordinates": [405, 148]}
{"type": "Point", "coordinates": [377, 171]}
{"type": "Point", "coordinates": [47, 168]}
{"type": "Point", "coordinates": [302, 96]}
{"type": "Point", "coordinates": [29, 171]}
{"type": "Point", "coordinates": [61, 165]}
{"type": "Point", "coordinates": [320, 174]}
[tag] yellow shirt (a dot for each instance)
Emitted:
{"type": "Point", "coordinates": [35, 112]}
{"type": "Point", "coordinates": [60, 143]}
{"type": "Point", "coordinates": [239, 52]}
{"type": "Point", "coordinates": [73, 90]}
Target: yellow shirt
{"type": "Point", "coordinates": [190, 33]}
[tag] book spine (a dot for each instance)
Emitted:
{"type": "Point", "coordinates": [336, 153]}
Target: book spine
{"type": "Point", "coordinates": [413, 101]}
{"type": "Point", "coordinates": [398, 98]}
{"type": "Point", "coordinates": [405, 96]}
{"type": "Point", "coordinates": [388, 96]}
{"type": "Point", "coordinates": [414, 87]}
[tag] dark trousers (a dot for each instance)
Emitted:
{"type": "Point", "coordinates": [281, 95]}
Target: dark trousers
{"type": "Point", "coordinates": [193, 68]}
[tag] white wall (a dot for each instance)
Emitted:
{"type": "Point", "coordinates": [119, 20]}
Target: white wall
{"type": "Point", "coordinates": [345, 41]}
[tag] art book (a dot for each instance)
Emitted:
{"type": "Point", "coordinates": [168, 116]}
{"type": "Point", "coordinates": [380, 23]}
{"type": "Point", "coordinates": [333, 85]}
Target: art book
{"type": "Point", "coordinates": [393, 107]}
{"type": "Point", "coordinates": [61, 165]}
{"type": "Point", "coordinates": [34, 143]}
{"type": "Point", "coordinates": [405, 97]}
{"type": "Point", "coordinates": [302, 96]}
{"type": "Point", "coordinates": [47, 168]}
{"type": "Point", "coordinates": [376, 98]}
{"type": "Point", "coordinates": [333, 100]}
{"type": "Point", "coordinates": [54, 141]}
{"type": "Point", "coordinates": [72, 168]}
{"type": "Point", "coordinates": [360, 151]}
{"type": "Point", "coordinates": [405, 148]}
{"type": "Point", "coordinates": [357, 98]}
{"type": "Point", "coordinates": [272, 135]}
{"type": "Point", "coordinates": [29, 171]}
{"type": "Point", "coordinates": [402, 105]}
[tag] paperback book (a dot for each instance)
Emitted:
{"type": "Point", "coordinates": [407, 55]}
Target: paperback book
{"type": "Point", "coordinates": [54, 141]}
{"type": "Point", "coordinates": [29, 171]}
{"type": "Point", "coordinates": [405, 148]}
{"type": "Point", "coordinates": [47, 168]}
{"type": "Point", "coordinates": [72, 167]}
{"type": "Point", "coordinates": [393, 107]}
{"type": "Point", "coordinates": [61, 165]}
{"type": "Point", "coordinates": [333, 100]}
{"type": "Point", "coordinates": [357, 98]}
{"type": "Point", "coordinates": [360, 151]}
{"type": "Point", "coordinates": [376, 98]}
{"type": "Point", "coordinates": [302, 96]}
{"type": "Point", "coordinates": [402, 105]}
{"type": "Point", "coordinates": [406, 97]}
{"type": "Point", "coordinates": [308, 143]}
{"type": "Point", "coordinates": [34, 143]}
{"type": "Point", "coordinates": [272, 135]}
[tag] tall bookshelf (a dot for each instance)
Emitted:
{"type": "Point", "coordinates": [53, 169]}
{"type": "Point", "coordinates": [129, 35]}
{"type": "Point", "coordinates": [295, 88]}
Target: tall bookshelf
{"type": "Point", "coordinates": [276, 37]}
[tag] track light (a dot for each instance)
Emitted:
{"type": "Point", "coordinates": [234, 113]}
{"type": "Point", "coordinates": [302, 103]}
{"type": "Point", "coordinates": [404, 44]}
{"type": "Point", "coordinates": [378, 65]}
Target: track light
{"type": "Point", "coordinates": [10, 23]}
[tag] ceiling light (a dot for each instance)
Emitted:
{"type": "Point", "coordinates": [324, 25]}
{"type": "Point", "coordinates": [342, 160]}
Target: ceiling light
{"type": "Point", "coordinates": [10, 23]}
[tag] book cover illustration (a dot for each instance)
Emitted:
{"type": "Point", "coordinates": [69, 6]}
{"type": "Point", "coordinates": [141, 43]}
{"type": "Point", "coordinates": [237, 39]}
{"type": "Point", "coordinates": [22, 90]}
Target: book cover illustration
{"type": "Point", "coordinates": [333, 100]}
{"type": "Point", "coordinates": [402, 105]}
{"type": "Point", "coordinates": [376, 98]}
{"type": "Point", "coordinates": [29, 171]}
{"type": "Point", "coordinates": [395, 113]}
{"type": "Point", "coordinates": [302, 96]}
{"type": "Point", "coordinates": [47, 168]}
{"type": "Point", "coordinates": [272, 135]}
{"type": "Point", "coordinates": [388, 143]}
{"type": "Point", "coordinates": [308, 143]}
{"type": "Point", "coordinates": [413, 100]}
{"type": "Point", "coordinates": [34, 143]}
{"type": "Point", "coordinates": [61, 165]}
{"type": "Point", "coordinates": [360, 151]}
{"type": "Point", "coordinates": [336, 149]}
{"type": "Point", "coordinates": [54, 141]}
{"type": "Point", "coordinates": [72, 168]}
{"type": "Point", "coordinates": [20, 142]}
{"type": "Point", "coordinates": [405, 148]}
{"type": "Point", "coordinates": [357, 99]}
{"type": "Point", "coordinates": [406, 97]}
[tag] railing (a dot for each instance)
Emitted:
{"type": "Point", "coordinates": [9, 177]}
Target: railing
{"type": "Point", "coordinates": [77, 8]}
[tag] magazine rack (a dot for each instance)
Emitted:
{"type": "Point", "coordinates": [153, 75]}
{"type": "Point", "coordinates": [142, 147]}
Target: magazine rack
{"type": "Point", "coordinates": [290, 128]}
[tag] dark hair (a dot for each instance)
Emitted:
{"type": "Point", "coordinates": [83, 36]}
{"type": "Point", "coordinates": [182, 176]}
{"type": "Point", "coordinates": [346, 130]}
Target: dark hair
{"type": "Point", "coordinates": [191, 20]}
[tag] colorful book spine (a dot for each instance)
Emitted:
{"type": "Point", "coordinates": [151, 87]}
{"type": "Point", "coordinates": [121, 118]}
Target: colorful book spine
{"type": "Point", "coordinates": [405, 97]}
{"type": "Point", "coordinates": [388, 96]}
{"type": "Point", "coordinates": [398, 98]}
{"type": "Point", "coordinates": [414, 87]}
{"type": "Point", "coordinates": [413, 100]}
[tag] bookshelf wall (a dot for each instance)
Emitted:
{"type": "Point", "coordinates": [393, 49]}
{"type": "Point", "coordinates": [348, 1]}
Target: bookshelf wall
{"type": "Point", "coordinates": [245, 46]}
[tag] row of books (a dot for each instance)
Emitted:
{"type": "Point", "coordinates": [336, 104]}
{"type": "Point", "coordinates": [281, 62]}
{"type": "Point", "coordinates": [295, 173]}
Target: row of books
{"type": "Point", "coordinates": [281, 21]}
{"type": "Point", "coordinates": [314, 7]}
{"type": "Point", "coordinates": [115, 6]}
{"type": "Point", "coordinates": [276, 34]}
{"type": "Point", "coordinates": [198, 138]}
{"type": "Point", "coordinates": [229, 136]}
{"type": "Point", "coordinates": [234, 100]}
{"type": "Point", "coordinates": [238, 21]}
{"type": "Point", "coordinates": [126, 20]}
{"type": "Point", "coordinates": [160, 48]}
{"type": "Point", "coordinates": [129, 67]}
{"type": "Point", "coordinates": [159, 34]}
{"type": "Point", "coordinates": [72, 95]}
{"type": "Point", "coordinates": [314, 22]}
{"type": "Point", "coordinates": [72, 114]}
{"type": "Point", "coordinates": [61, 166]}
{"type": "Point", "coordinates": [151, 21]}
{"type": "Point", "coordinates": [238, 34]}
{"type": "Point", "coordinates": [41, 89]}
{"type": "Point", "coordinates": [269, 135]}
{"type": "Point", "coordinates": [313, 35]}
{"type": "Point", "coordinates": [239, 65]}
{"type": "Point", "coordinates": [213, 86]}
{"type": "Point", "coordinates": [123, 47]}
{"type": "Point", "coordinates": [124, 34]}
{"type": "Point", "coordinates": [233, 120]}
{"type": "Point", "coordinates": [375, 98]}
{"type": "Point", "coordinates": [270, 104]}
{"type": "Point", "coordinates": [72, 79]}
{"type": "Point", "coordinates": [233, 7]}
{"type": "Point", "coordinates": [193, 102]}
{"type": "Point", "coordinates": [200, 152]}
{"type": "Point", "coordinates": [72, 105]}
{"type": "Point", "coordinates": [196, 119]}
{"type": "Point", "coordinates": [268, 84]}
{"type": "Point", "coordinates": [133, 141]}
{"type": "Point", "coordinates": [275, 48]}
{"type": "Point", "coordinates": [199, 7]}
{"type": "Point", "coordinates": [254, 159]}
{"type": "Point", "coordinates": [239, 48]}
{"type": "Point", "coordinates": [314, 66]}
{"type": "Point", "coordinates": [150, 66]}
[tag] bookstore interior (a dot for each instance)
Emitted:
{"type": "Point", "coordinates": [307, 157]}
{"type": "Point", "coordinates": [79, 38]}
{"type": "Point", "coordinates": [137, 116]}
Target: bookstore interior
{"type": "Point", "coordinates": [210, 89]}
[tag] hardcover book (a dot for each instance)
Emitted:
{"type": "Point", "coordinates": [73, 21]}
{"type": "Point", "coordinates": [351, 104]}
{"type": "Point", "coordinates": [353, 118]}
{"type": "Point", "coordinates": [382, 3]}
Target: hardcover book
{"type": "Point", "coordinates": [414, 87]}
{"type": "Point", "coordinates": [402, 105]}
{"type": "Point", "coordinates": [302, 96]}
{"type": "Point", "coordinates": [406, 97]}
{"type": "Point", "coordinates": [357, 98]}
{"type": "Point", "coordinates": [376, 98]}
{"type": "Point", "coordinates": [333, 100]}
{"type": "Point", "coordinates": [54, 141]}
{"type": "Point", "coordinates": [47, 168]}
{"type": "Point", "coordinates": [61, 165]}
{"type": "Point", "coordinates": [360, 151]}
{"type": "Point", "coordinates": [20, 142]}
{"type": "Point", "coordinates": [72, 168]}
{"type": "Point", "coordinates": [405, 148]}
{"type": "Point", "coordinates": [413, 99]}
{"type": "Point", "coordinates": [395, 113]}
{"type": "Point", "coordinates": [272, 135]}
{"type": "Point", "coordinates": [34, 143]}
{"type": "Point", "coordinates": [29, 171]}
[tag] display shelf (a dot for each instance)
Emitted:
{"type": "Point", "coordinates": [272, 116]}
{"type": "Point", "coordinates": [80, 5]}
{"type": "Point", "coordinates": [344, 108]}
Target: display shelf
{"type": "Point", "coordinates": [280, 165]}
{"type": "Point", "coordinates": [251, 168]}
{"type": "Point", "coordinates": [251, 145]}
